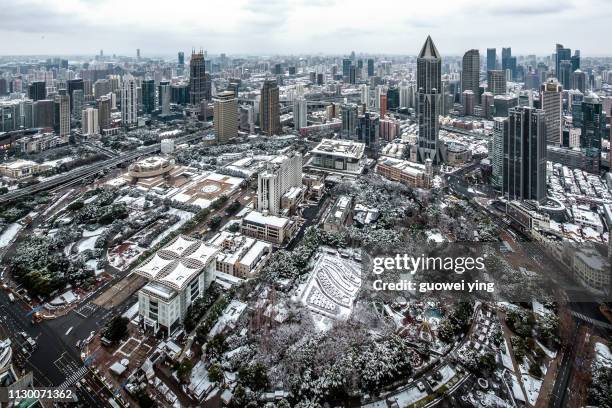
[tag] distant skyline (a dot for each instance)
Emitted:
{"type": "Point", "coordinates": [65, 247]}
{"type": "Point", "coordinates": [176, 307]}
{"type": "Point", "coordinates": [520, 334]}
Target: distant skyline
{"type": "Point", "coordinates": [269, 27]}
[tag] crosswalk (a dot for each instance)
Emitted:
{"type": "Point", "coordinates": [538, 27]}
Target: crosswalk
{"type": "Point", "coordinates": [87, 309]}
{"type": "Point", "coordinates": [76, 376]}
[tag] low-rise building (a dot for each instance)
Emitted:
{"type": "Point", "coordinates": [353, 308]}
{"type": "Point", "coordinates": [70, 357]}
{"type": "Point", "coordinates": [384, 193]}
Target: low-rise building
{"type": "Point", "coordinates": [406, 172]}
{"type": "Point", "coordinates": [338, 214]}
{"type": "Point", "coordinates": [269, 228]}
{"type": "Point", "coordinates": [239, 255]}
{"type": "Point", "coordinates": [19, 169]}
{"type": "Point", "coordinates": [344, 156]}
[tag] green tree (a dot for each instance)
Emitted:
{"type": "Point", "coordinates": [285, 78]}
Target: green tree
{"type": "Point", "coordinates": [117, 328]}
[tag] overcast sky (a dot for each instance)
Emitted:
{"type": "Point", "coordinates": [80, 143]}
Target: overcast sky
{"type": "Point", "coordinates": [268, 27]}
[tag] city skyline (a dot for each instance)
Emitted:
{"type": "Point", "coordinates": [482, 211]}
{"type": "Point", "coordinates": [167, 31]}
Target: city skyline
{"type": "Point", "coordinates": [271, 27]}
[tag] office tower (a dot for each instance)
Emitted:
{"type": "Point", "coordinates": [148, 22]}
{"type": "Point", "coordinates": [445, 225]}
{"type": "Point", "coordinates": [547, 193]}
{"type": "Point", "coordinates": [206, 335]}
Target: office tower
{"type": "Point", "coordinates": [524, 155]}
{"type": "Point", "coordinates": [282, 174]}
{"type": "Point", "coordinates": [368, 127]}
{"type": "Point", "coordinates": [101, 87]}
{"type": "Point", "coordinates": [565, 74]}
{"type": "Point", "coordinates": [77, 103]}
{"type": "Point", "coordinates": [179, 93]}
{"type": "Point", "coordinates": [470, 74]}
{"type": "Point", "coordinates": [506, 55]}
{"type": "Point", "coordinates": [551, 102]}
{"type": "Point", "coordinates": [383, 105]}
{"type": "Point", "coordinates": [593, 122]}
{"type": "Point", "coordinates": [406, 96]}
{"type": "Point", "coordinates": [349, 113]}
{"type": "Point", "coordinates": [197, 78]}
{"type": "Point", "coordinates": [488, 104]}
{"type": "Point", "coordinates": [164, 97]}
{"type": "Point", "coordinates": [429, 87]}
{"type": "Point", "coordinates": [352, 75]}
{"type": "Point", "coordinates": [104, 112]}
{"type": "Point", "coordinates": [500, 126]}
{"type": "Point", "coordinates": [269, 111]}
{"type": "Point", "coordinates": [503, 103]}
{"type": "Point", "coordinates": [468, 101]}
{"type": "Point", "coordinates": [393, 98]}
{"type": "Point", "coordinates": [575, 60]}
{"type": "Point", "coordinates": [225, 116]}
{"type": "Point", "coordinates": [181, 62]}
{"type": "Point", "coordinates": [27, 113]}
{"type": "Point", "coordinates": [579, 79]}
{"type": "Point", "coordinates": [4, 88]}
{"type": "Point", "coordinates": [563, 54]}
{"type": "Point", "coordinates": [300, 112]}
{"type": "Point", "coordinates": [370, 67]}
{"type": "Point", "coordinates": [37, 90]}
{"type": "Point", "coordinates": [129, 101]}
{"type": "Point", "coordinates": [43, 113]}
{"type": "Point", "coordinates": [90, 122]}
{"type": "Point", "coordinates": [148, 96]}
{"type": "Point", "coordinates": [491, 59]}
{"type": "Point", "coordinates": [278, 69]}
{"type": "Point", "coordinates": [346, 68]}
{"type": "Point", "coordinates": [320, 79]}
{"type": "Point", "coordinates": [63, 105]}
{"type": "Point", "coordinates": [72, 85]}
{"type": "Point", "coordinates": [496, 82]}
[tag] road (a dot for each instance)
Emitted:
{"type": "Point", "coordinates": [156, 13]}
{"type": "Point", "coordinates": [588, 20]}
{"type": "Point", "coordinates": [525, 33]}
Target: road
{"type": "Point", "coordinates": [85, 171]}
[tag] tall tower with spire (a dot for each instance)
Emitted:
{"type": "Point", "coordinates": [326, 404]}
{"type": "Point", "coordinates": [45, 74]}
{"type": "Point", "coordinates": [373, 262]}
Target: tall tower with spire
{"type": "Point", "coordinates": [429, 92]}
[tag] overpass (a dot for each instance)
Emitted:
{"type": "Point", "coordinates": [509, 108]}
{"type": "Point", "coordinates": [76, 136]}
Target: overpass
{"type": "Point", "coordinates": [85, 171]}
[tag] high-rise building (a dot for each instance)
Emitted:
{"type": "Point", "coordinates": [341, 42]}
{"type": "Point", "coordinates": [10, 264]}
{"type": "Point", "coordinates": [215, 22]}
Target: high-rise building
{"type": "Point", "coordinates": [101, 87]}
{"type": "Point", "coordinates": [352, 75]}
{"type": "Point", "coordinates": [496, 82]}
{"type": "Point", "coordinates": [181, 59]}
{"type": "Point", "coordinates": [368, 128]}
{"type": "Point", "coordinates": [346, 69]}
{"type": "Point", "coordinates": [393, 98]}
{"type": "Point", "coordinates": [129, 101]}
{"type": "Point", "coordinates": [487, 102]}
{"type": "Point", "coordinates": [104, 112]}
{"type": "Point", "coordinates": [349, 121]}
{"type": "Point", "coordinates": [565, 74]}
{"type": "Point", "coordinates": [383, 105]}
{"type": "Point", "coordinates": [164, 97]}
{"type": "Point", "coordinates": [370, 67]}
{"type": "Point", "coordinates": [470, 74]}
{"type": "Point", "coordinates": [225, 116]}
{"type": "Point", "coordinates": [429, 88]}
{"type": "Point", "coordinates": [148, 96]}
{"type": "Point", "coordinates": [524, 154]}
{"type": "Point", "coordinates": [468, 101]}
{"type": "Point", "coordinates": [579, 80]}
{"type": "Point", "coordinates": [551, 101]}
{"type": "Point", "coordinates": [576, 60]}
{"type": "Point", "coordinates": [300, 113]}
{"type": "Point", "coordinates": [43, 113]}
{"type": "Point", "coordinates": [506, 55]}
{"type": "Point", "coordinates": [593, 122]}
{"type": "Point", "coordinates": [281, 175]}
{"type": "Point", "coordinates": [491, 59]}
{"type": "Point", "coordinates": [562, 54]}
{"type": "Point", "coordinates": [90, 122]}
{"type": "Point", "coordinates": [72, 85]}
{"type": "Point", "coordinates": [500, 126]}
{"type": "Point", "coordinates": [63, 104]}
{"type": "Point", "coordinates": [37, 90]}
{"type": "Point", "coordinates": [77, 103]}
{"type": "Point", "coordinates": [269, 109]}
{"type": "Point", "coordinates": [197, 78]}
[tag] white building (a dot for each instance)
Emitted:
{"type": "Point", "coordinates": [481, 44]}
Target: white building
{"type": "Point", "coordinates": [90, 122]}
{"type": "Point", "coordinates": [281, 174]}
{"type": "Point", "coordinates": [300, 112]}
{"type": "Point", "coordinates": [178, 274]}
{"type": "Point", "coordinates": [129, 101]}
{"type": "Point", "coordinates": [64, 117]}
{"type": "Point", "coordinates": [164, 98]}
{"type": "Point", "coordinates": [343, 156]}
{"type": "Point", "coordinates": [167, 146]}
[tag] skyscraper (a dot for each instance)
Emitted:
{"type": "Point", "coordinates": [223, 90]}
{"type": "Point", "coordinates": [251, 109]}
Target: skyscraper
{"type": "Point", "coordinates": [368, 128]}
{"type": "Point", "coordinates": [225, 111]}
{"type": "Point", "coordinates": [349, 121]}
{"type": "Point", "coordinates": [496, 82]}
{"type": "Point", "coordinates": [551, 97]}
{"type": "Point", "coordinates": [300, 112]}
{"type": "Point", "coordinates": [370, 67]}
{"type": "Point", "coordinates": [593, 122]}
{"type": "Point", "coordinates": [197, 78]}
{"type": "Point", "coordinates": [269, 110]}
{"type": "Point", "coordinates": [429, 87]}
{"type": "Point", "coordinates": [563, 54]}
{"type": "Point", "coordinates": [579, 80]}
{"type": "Point", "coordinates": [104, 112]}
{"type": "Point", "coordinates": [90, 122]}
{"type": "Point", "coordinates": [346, 69]}
{"type": "Point", "coordinates": [148, 96]}
{"type": "Point", "coordinates": [281, 175]}
{"type": "Point", "coordinates": [506, 55]}
{"type": "Point", "coordinates": [74, 84]}
{"type": "Point", "coordinates": [524, 154]}
{"type": "Point", "coordinates": [37, 90]}
{"type": "Point", "coordinates": [491, 59]}
{"type": "Point", "coordinates": [129, 101]}
{"type": "Point", "coordinates": [565, 74]}
{"type": "Point", "coordinates": [77, 103]}
{"type": "Point", "coordinates": [164, 97]}
{"type": "Point", "coordinates": [63, 104]}
{"type": "Point", "coordinates": [181, 59]}
{"type": "Point", "coordinates": [470, 74]}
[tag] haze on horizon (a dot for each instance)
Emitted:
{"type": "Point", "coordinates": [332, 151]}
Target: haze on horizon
{"type": "Point", "coordinates": [269, 27]}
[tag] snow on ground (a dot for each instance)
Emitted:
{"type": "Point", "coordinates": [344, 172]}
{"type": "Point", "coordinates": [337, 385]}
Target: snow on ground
{"type": "Point", "coordinates": [532, 387]}
{"type": "Point", "coordinates": [506, 360]}
{"type": "Point", "coordinates": [603, 355]}
{"type": "Point", "coordinates": [93, 265]}
{"type": "Point", "coordinates": [93, 233]}
{"type": "Point", "coordinates": [90, 199]}
{"type": "Point", "coordinates": [549, 352]}
{"type": "Point", "coordinates": [184, 217]}
{"type": "Point", "coordinates": [447, 373]}
{"type": "Point", "coordinates": [516, 389]}
{"type": "Point", "coordinates": [9, 234]}
{"type": "Point", "coordinates": [68, 248]}
{"type": "Point", "coordinates": [87, 243]}
{"type": "Point", "coordinates": [406, 397]}
{"type": "Point", "coordinates": [59, 200]}
{"type": "Point", "coordinates": [434, 236]}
